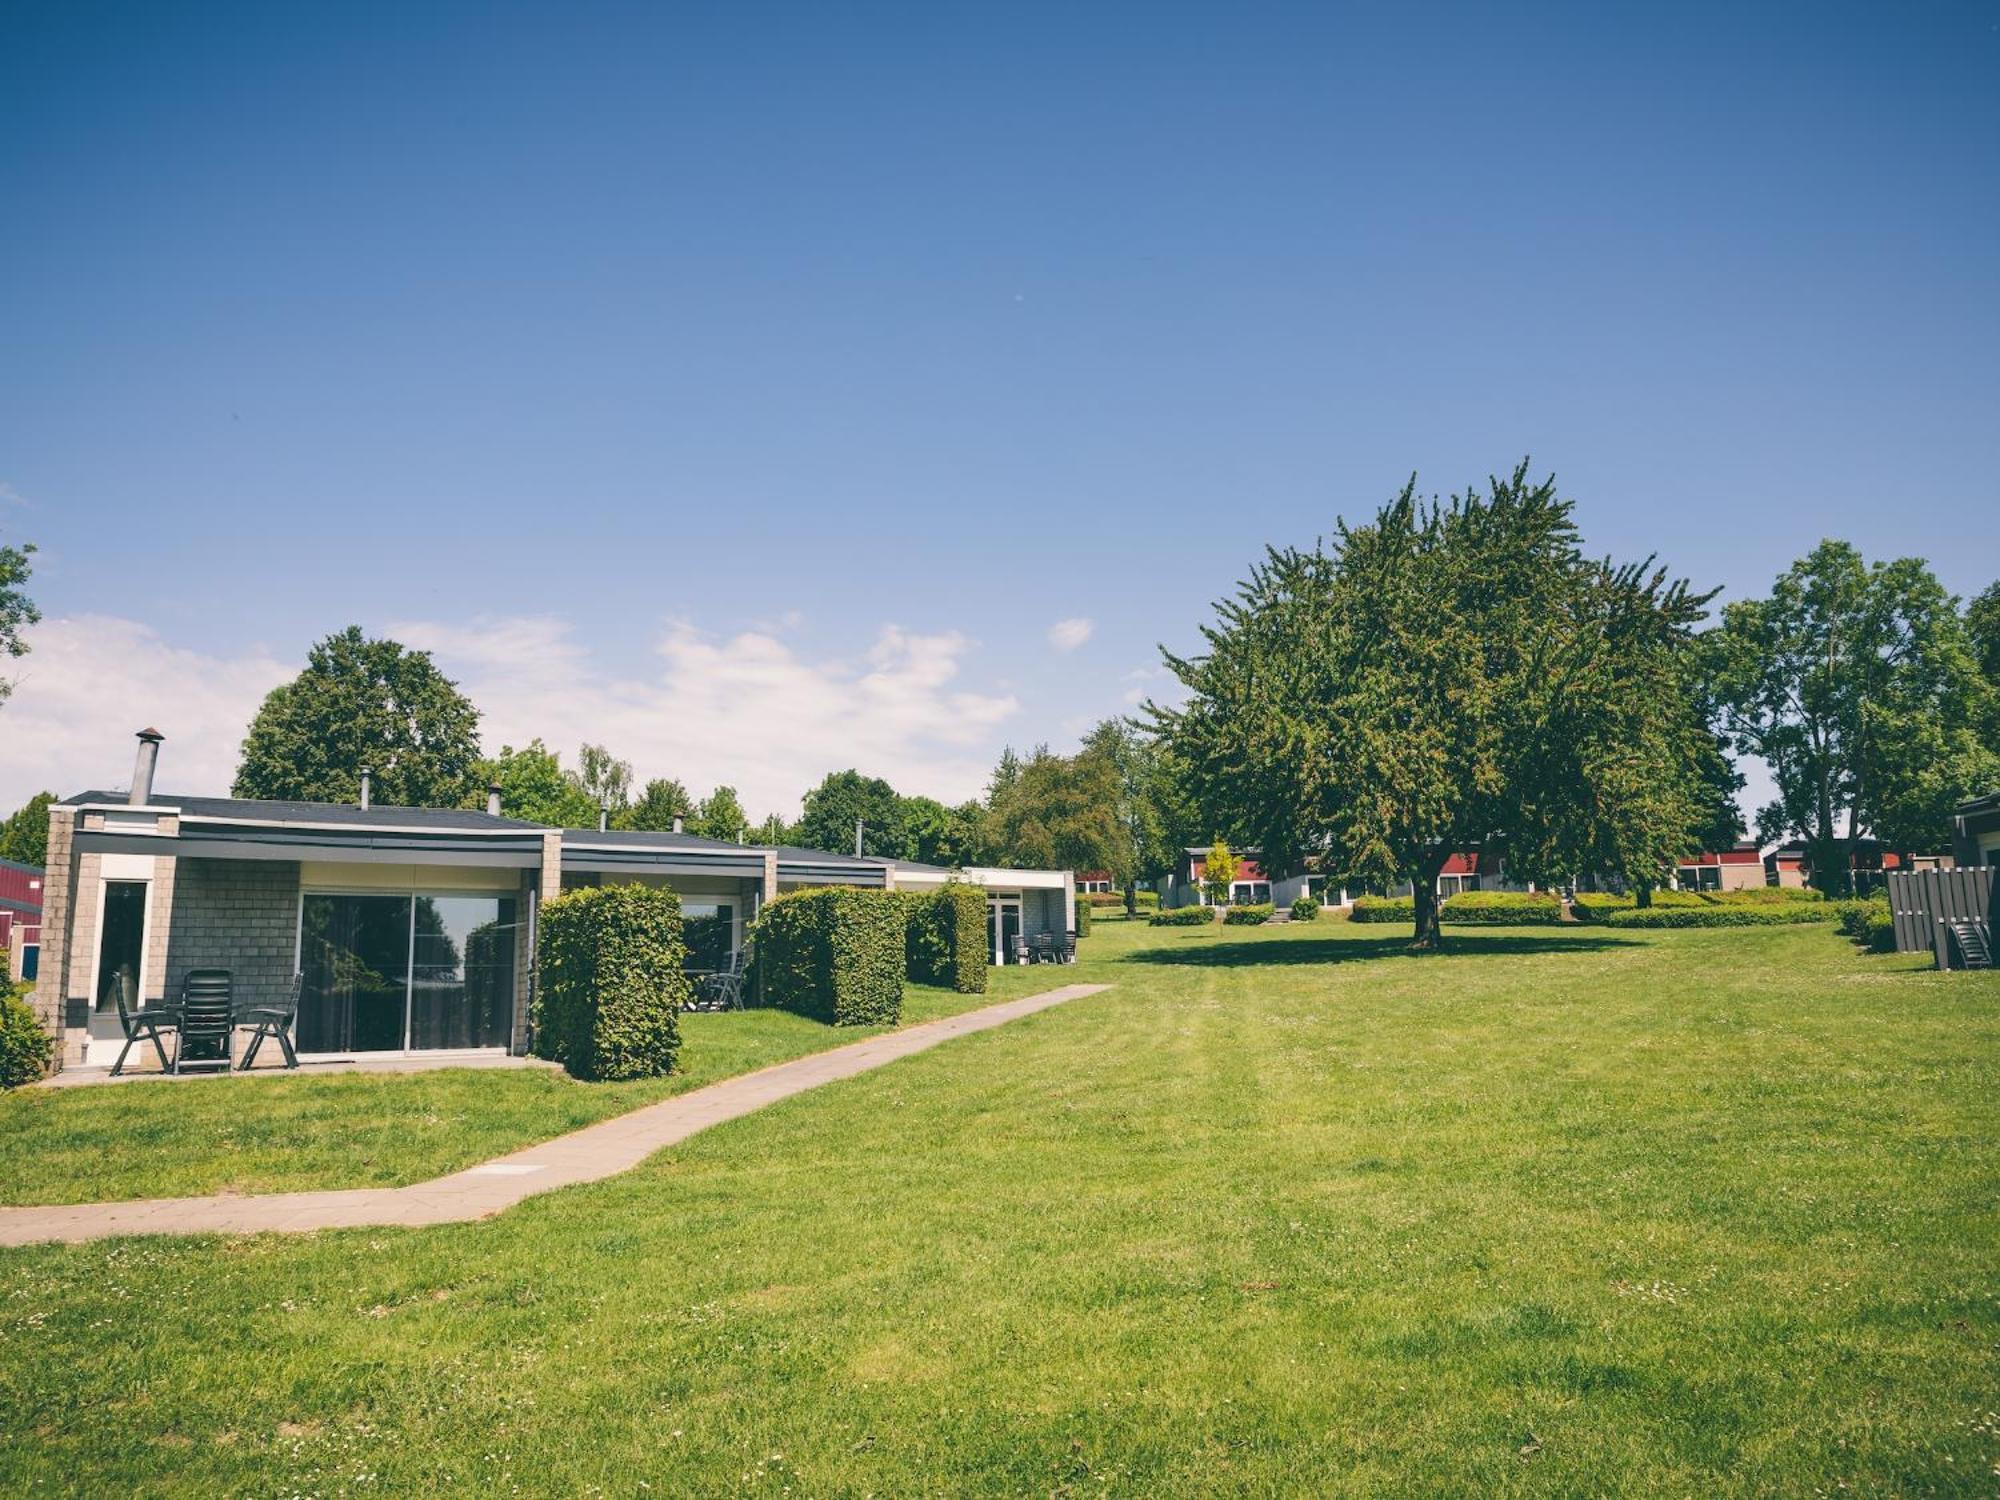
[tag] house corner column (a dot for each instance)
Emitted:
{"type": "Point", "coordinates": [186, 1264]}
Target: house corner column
{"type": "Point", "coordinates": [538, 887]}
{"type": "Point", "coordinates": [770, 875]}
{"type": "Point", "coordinates": [58, 898]}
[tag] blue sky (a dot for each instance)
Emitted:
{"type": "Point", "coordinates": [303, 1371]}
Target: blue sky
{"type": "Point", "coordinates": [755, 387]}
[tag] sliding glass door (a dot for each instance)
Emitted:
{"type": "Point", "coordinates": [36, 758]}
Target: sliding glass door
{"type": "Point", "coordinates": [386, 973]}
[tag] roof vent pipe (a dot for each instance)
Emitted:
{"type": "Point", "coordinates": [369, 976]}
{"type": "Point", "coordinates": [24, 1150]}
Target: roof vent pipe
{"type": "Point", "coordinates": [603, 816]}
{"type": "Point", "coordinates": [367, 788]}
{"type": "Point", "coordinates": [679, 823]}
{"type": "Point", "coordinates": [742, 836]}
{"type": "Point", "coordinates": [857, 838]}
{"type": "Point", "coordinates": [493, 800]}
{"type": "Point", "coordinates": [142, 768]}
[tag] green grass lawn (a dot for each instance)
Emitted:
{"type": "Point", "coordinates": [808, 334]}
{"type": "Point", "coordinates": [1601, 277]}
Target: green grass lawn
{"type": "Point", "coordinates": [269, 1133]}
{"type": "Point", "coordinates": [1561, 1212]}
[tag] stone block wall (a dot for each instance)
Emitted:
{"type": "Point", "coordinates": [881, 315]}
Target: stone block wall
{"type": "Point", "coordinates": [235, 914]}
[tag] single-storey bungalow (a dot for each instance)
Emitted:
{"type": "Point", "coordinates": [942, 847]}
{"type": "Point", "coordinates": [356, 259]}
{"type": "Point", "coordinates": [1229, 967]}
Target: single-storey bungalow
{"type": "Point", "coordinates": [411, 930]}
{"type": "Point", "coordinates": [1251, 885]}
{"type": "Point", "coordinates": [1739, 867]}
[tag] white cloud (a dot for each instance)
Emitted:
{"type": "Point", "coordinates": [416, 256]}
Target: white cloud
{"type": "Point", "coordinates": [1067, 635]}
{"type": "Point", "coordinates": [90, 682]}
{"type": "Point", "coordinates": [748, 709]}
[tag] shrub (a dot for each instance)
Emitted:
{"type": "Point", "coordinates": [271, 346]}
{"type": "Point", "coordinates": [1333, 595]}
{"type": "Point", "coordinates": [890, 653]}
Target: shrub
{"type": "Point", "coordinates": [1104, 899]}
{"type": "Point", "coordinates": [1249, 914]}
{"type": "Point", "coordinates": [944, 940]}
{"type": "Point", "coordinates": [1145, 900]}
{"type": "Point", "coordinates": [1183, 916]}
{"type": "Point", "coordinates": [1383, 909]}
{"type": "Point", "coordinates": [1867, 922]}
{"type": "Point", "coordinates": [1511, 907]}
{"type": "Point", "coordinates": [612, 988]}
{"type": "Point", "coordinates": [1764, 895]}
{"type": "Point", "coordinates": [1305, 909]}
{"type": "Point", "coordinates": [1707, 914]}
{"type": "Point", "coordinates": [1083, 919]}
{"type": "Point", "coordinates": [836, 954]}
{"type": "Point", "coordinates": [25, 1049]}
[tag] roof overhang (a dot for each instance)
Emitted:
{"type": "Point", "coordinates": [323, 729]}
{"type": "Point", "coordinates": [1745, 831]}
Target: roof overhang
{"type": "Point", "coordinates": [639, 859]}
{"type": "Point", "coordinates": [241, 839]}
{"type": "Point", "coordinates": [1053, 880]}
{"type": "Point", "coordinates": [837, 872]}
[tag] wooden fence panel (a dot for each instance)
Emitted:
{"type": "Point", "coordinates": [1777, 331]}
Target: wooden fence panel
{"type": "Point", "coordinates": [1921, 902]}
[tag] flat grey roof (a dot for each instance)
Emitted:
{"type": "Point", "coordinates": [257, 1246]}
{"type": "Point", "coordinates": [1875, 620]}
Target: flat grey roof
{"type": "Point", "coordinates": [244, 809]}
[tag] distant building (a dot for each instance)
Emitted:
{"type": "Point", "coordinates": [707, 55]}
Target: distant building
{"type": "Point", "coordinates": [20, 916]}
{"type": "Point", "coordinates": [1975, 831]}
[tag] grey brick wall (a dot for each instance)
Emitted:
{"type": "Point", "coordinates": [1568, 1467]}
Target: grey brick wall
{"type": "Point", "coordinates": [235, 914]}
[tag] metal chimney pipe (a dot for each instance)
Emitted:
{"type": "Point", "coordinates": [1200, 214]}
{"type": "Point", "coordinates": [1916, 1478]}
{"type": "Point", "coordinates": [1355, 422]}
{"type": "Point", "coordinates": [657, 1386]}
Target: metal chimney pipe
{"type": "Point", "coordinates": [367, 787]}
{"type": "Point", "coordinates": [679, 823]}
{"type": "Point", "coordinates": [603, 816]}
{"type": "Point", "coordinates": [142, 768]}
{"type": "Point", "coordinates": [493, 800]}
{"type": "Point", "coordinates": [857, 838]}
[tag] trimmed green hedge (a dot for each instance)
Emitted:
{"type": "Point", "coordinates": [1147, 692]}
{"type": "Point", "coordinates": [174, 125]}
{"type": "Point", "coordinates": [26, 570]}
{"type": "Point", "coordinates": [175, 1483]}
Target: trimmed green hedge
{"type": "Point", "coordinates": [1183, 916]}
{"type": "Point", "coordinates": [612, 989]}
{"type": "Point", "coordinates": [1249, 914]}
{"type": "Point", "coordinates": [1305, 909]}
{"type": "Point", "coordinates": [1770, 914]}
{"type": "Point", "coordinates": [1383, 909]}
{"type": "Point", "coordinates": [1083, 919]}
{"type": "Point", "coordinates": [945, 936]}
{"type": "Point", "coordinates": [1513, 908]}
{"type": "Point", "coordinates": [837, 954]}
{"type": "Point", "coordinates": [1595, 906]}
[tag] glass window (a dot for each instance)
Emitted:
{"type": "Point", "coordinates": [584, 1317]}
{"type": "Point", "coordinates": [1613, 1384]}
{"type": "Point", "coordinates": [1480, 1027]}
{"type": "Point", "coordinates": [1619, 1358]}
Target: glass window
{"type": "Point", "coordinates": [386, 972]}
{"type": "Point", "coordinates": [709, 930]}
{"type": "Point", "coordinates": [462, 980]}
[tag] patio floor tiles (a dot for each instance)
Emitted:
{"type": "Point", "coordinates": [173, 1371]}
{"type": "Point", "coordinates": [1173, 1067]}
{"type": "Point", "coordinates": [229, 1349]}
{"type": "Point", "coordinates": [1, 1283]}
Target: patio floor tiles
{"type": "Point", "coordinates": [587, 1155]}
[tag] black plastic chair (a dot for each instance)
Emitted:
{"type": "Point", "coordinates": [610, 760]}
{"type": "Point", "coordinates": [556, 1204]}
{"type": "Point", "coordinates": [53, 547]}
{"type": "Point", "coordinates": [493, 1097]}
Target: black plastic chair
{"type": "Point", "coordinates": [147, 1023]}
{"type": "Point", "coordinates": [1017, 950]}
{"type": "Point", "coordinates": [272, 1021]}
{"type": "Point", "coordinates": [208, 1017]}
{"type": "Point", "coordinates": [1066, 948]}
{"type": "Point", "coordinates": [1044, 946]}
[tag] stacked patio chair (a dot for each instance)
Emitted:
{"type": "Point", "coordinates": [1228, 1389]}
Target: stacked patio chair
{"type": "Point", "coordinates": [1044, 945]}
{"type": "Point", "coordinates": [148, 1023]}
{"type": "Point", "coordinates": [1017, 950]}
{"type": "Point", "coordinates": [723, 990]}
{"type": "Point", "coordinates": [1066, 948]}
{"type": "Point", "coordinates": [273, 1020]}
{"type": "Point", "coordinates": [207, 1017]}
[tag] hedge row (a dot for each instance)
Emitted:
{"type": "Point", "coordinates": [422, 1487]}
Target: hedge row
{"type": "Point", "coordinates": [1305, 909]}
{"type": "Point", "coordinates": [1741, 914]}
{"type": "Point", "coordinates": [1083, 919]}
{"type": "Point", "coordinates": [944, 937]}
{"type": "Point", "coordinates": [1115, 900]}
{"type": "Point", "coordinates": [836, 953]}
{"type": "Point", "coordinates": [1383, 909]}
{"type": "Point", "coordinates": [611, 984]}
{"type": "Point", "coordinates": [1183, 916]}
{"type": "Point", "coordinates": [1591, 907]}
{"type": "Point", "coordinates": [1513, 908]}
{"type": "Point", "coordinates": [1249, 914]}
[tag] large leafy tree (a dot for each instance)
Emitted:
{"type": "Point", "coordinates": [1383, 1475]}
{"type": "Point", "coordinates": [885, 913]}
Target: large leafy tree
{"type": "Point", "coordinates": [1151, 800]}
{"type": "Point", "coordinates": [938, 835]}
{"type": "Point", "coordinates": [1444, 676]}
{"type": "Point", "coordinates": [605, 780]}
{"type": "Point", "coordinates": [17, 610]}
{"type": "Point", "coordinates": [24, 837]}
{"type": "Point", "coordinates": [364, 703]}
{"type": "Point", "coordinates": [535, 787]}
{"type": "Point", "coordinates": [1859, 686]}
{"type": "Point", "coordinates": [661, 801]}
{"type": "Point", "coordinates": [720, 816]}
{"type": "Point", "coordinates": [1061, 812]}
{"type": "Point", "coordinates": [1982, 624]}
{"type": "Point", "coordinates": [831, 809]}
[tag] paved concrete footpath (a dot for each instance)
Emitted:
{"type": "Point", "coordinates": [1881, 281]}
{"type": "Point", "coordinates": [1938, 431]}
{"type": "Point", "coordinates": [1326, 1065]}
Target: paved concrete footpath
{"type": "Point", "coordinates": [587, 1155]}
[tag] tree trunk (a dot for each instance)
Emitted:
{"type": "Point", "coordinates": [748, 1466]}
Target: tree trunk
{"type": "Point", "coordinates": [1131, 898]}
{"type": "Point", "coordinates": [1429, 935]}
{"type": "Point", "coordinates": [1642, 893]}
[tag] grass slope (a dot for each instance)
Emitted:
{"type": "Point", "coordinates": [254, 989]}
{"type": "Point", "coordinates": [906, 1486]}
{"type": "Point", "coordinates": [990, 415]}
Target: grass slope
{"type": "Point", "coordinates": [1558, 1213]}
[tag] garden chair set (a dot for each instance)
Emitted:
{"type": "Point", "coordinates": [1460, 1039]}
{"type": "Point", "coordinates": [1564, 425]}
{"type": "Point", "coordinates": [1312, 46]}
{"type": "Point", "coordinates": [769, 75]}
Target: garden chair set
{"type": "Point", "coordinates": [722, 990]}
{"type": "Point", "coordinates": [204, 1020]}
{"type": "Point", "coordinates": [1048, 948]}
